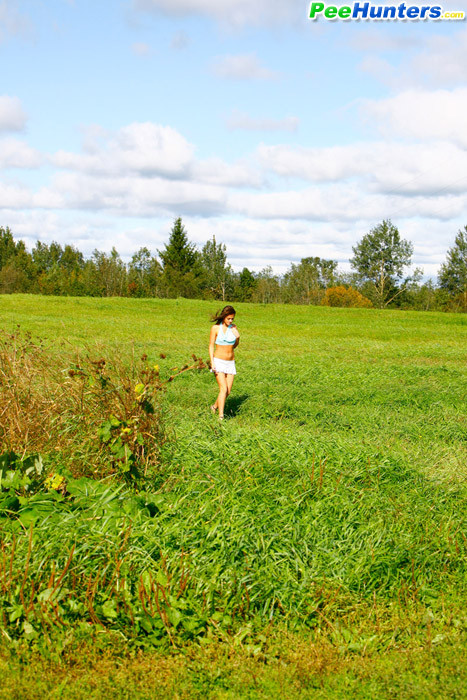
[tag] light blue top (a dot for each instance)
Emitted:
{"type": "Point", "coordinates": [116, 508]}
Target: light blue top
{"type": "Point", "coordinates": [225, 338]}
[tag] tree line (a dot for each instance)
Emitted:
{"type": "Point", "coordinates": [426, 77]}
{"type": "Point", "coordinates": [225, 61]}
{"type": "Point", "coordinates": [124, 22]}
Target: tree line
{"type": "Point", "coordinates": [377, 278]}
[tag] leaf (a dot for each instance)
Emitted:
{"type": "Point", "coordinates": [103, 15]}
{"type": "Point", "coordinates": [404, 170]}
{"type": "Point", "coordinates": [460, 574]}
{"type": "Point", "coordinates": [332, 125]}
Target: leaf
{"type": "Point", "coordinates": [108, 610]}
{"type": "Point", "coordinates": [28, 630]}
{"type": "Point", "coordinates": [175, 616]}
{"type": "Point", "coordinates": [45, 595]}
{"type": "Point", "coordinates": [16, 613]}
{"type": "Point", "coordinates": [161, 579]}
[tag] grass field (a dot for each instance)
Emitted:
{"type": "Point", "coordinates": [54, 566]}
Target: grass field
{"type": "Point", "coordinates": [312, 545]}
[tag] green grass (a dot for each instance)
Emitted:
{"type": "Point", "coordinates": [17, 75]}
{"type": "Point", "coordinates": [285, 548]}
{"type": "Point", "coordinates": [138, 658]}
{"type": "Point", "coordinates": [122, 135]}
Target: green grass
{"type": "Point", "coordinates": [326, 514]}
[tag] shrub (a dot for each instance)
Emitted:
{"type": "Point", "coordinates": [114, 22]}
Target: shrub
{"type": "Point", "coordinates": [458, 303]}
{"type": "Point", "coordinates": [345, 296]}
{"type": "Point", "coordinates": [101, 416]}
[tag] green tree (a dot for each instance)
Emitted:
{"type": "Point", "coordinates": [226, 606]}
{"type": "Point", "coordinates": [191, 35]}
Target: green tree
{"type": "Point", "coordinates": [7, 246]}
{"type": "Point", "coordinates": [179, 254]}
{"type": "Point", "coordinates": [267, 288]}
{"type": "Point", "coordinates": [46, 257]}
{"type": "Point", "coordinates": [17, 270]}
{"type": "Point", "coordinates": [244, 285]}
{"type": "Point", "coordinates": [58, 269]}
{"type": "Point", "coordinates": [453, 273]}
{"type": "Point", "coordinates": [217, 271]}
{"type": "Point", "coordinates": [380, 258]}
{"type": "Point", "coordinates": [305, 283]}
{"type": "Point", "coordinates": [71, 259]}
{"type": "Point", "coordinates": [144, 273]}
{"type": "Point", "coordinates": [108, 277]}
{"type": "Point", "coordinates": [182, 270]}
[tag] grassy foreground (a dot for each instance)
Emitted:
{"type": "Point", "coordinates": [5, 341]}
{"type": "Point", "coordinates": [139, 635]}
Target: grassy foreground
{"type": "Point", "coordinates": [313, 545]}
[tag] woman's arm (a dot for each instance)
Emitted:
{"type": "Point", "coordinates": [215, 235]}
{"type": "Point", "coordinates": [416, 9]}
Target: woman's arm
{"type": "Point", "coordinates": [236, 334]}
{"type": "Point", "coordinates": [212, 339]}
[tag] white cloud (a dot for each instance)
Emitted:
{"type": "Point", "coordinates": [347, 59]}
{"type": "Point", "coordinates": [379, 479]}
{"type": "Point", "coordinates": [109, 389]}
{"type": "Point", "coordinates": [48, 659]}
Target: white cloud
{"type": "Point", "coordinates": [343, 203]}
{"type": "Point", "coordinates": [434, 61]}
{"type": "Point", "coordinates": [242, 121]}
{"type": "Point", "coordinates": [138, 196]}
{"type": "Point", "coordinates": [12, 115]}
{"type": "Point", "coordinates": [17, 154]}
{"type": "Point", "coordinates": [216, 171]}
{"type": "Point", "coordinates": [143, 148]}
{"type": "Point", "coordinates": [443, 61]}
{"type": "Point", "coordinates": [153, 152]}
{"type": "Point", "coordinates": [421, 115]}
{"type": "Point", "coordinates": [387, 167]}
{"type": "Point", "coordinates": [235, 13]}
{"type": "Point", "coordinates": [243, 67]}
{"type": "Point", "coordinates": [15, 195]}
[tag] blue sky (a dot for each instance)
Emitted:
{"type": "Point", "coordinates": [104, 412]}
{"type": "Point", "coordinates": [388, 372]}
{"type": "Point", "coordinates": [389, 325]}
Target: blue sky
{"type": "Point", "coordinates": [282, 137]}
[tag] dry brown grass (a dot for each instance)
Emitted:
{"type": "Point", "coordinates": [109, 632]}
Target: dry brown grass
{"type": "Point", "coordinates": [100, 415]}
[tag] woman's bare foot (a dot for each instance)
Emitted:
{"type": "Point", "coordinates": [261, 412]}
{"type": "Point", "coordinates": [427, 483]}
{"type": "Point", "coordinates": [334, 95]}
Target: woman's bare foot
{"type": "Point", "coordinates": [213, 408]}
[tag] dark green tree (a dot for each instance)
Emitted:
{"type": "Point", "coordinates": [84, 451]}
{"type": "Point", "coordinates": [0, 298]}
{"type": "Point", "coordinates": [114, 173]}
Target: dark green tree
{"type": "Point", "coordinates": [71, 259]}
{"type": "Point", "coordinates": [453, 273]}
{"type": "Point", "coordinates": [380, 258]}
{"type": "Point", "coordinates": [179, 254]}
{"type": "Point", "coordinates": [245, 285]}
{"type": "Point", "coordinates": [17, 270]}
{"type": "Point", "coordinates": [182, 270]}
{"type": "Point", "coordinates": [7, 246]}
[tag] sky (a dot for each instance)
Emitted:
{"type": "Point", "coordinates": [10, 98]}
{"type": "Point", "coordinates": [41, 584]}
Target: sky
{"type": "Point", "coordinates": [281, 136]}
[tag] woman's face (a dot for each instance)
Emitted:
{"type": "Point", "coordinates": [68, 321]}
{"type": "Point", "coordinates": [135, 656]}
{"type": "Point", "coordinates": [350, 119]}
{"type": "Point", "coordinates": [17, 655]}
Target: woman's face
{"type": "Point", "coordinates": [229, 319]}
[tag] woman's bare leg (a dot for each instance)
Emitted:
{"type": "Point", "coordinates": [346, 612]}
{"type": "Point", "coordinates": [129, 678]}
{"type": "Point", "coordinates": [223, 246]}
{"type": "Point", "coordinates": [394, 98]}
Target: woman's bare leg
{"type": "Point", "coordinates": [223, 392]}
{"type": "Point", "coordinates": [229, 378]}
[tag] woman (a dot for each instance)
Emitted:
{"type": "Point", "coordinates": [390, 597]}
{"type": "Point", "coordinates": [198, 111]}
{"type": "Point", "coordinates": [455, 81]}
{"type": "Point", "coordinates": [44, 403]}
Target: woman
{"type": "Point", "coordinates": [223, 340]}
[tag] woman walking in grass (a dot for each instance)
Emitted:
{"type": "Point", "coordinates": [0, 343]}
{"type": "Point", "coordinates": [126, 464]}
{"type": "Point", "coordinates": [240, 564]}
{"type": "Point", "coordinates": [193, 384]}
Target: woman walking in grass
{"type": "Point", "coordinates": [223, 340]}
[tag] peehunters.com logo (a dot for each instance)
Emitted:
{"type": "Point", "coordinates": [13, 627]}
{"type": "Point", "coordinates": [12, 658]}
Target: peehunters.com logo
{"type": "Point", "coordinates": [368, 11]}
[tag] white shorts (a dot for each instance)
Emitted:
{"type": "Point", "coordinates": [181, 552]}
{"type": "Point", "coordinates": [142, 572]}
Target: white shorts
{"type": "Point", "coordinates": [225, 366]}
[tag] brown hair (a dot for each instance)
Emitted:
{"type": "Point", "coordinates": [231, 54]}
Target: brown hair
{"type": "Point", "coordinates": [219, 316]}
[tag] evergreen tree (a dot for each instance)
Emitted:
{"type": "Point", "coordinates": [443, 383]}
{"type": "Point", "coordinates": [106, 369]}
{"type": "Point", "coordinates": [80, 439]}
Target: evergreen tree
{"type": "Point", "coordinates": [179, 255]}
{"type": "Point", "coordinates": [453, 273]}
{"type": "Point", "coordinates": [182, 270]}
{"type": "Point", "coordinates": [7, 246]}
